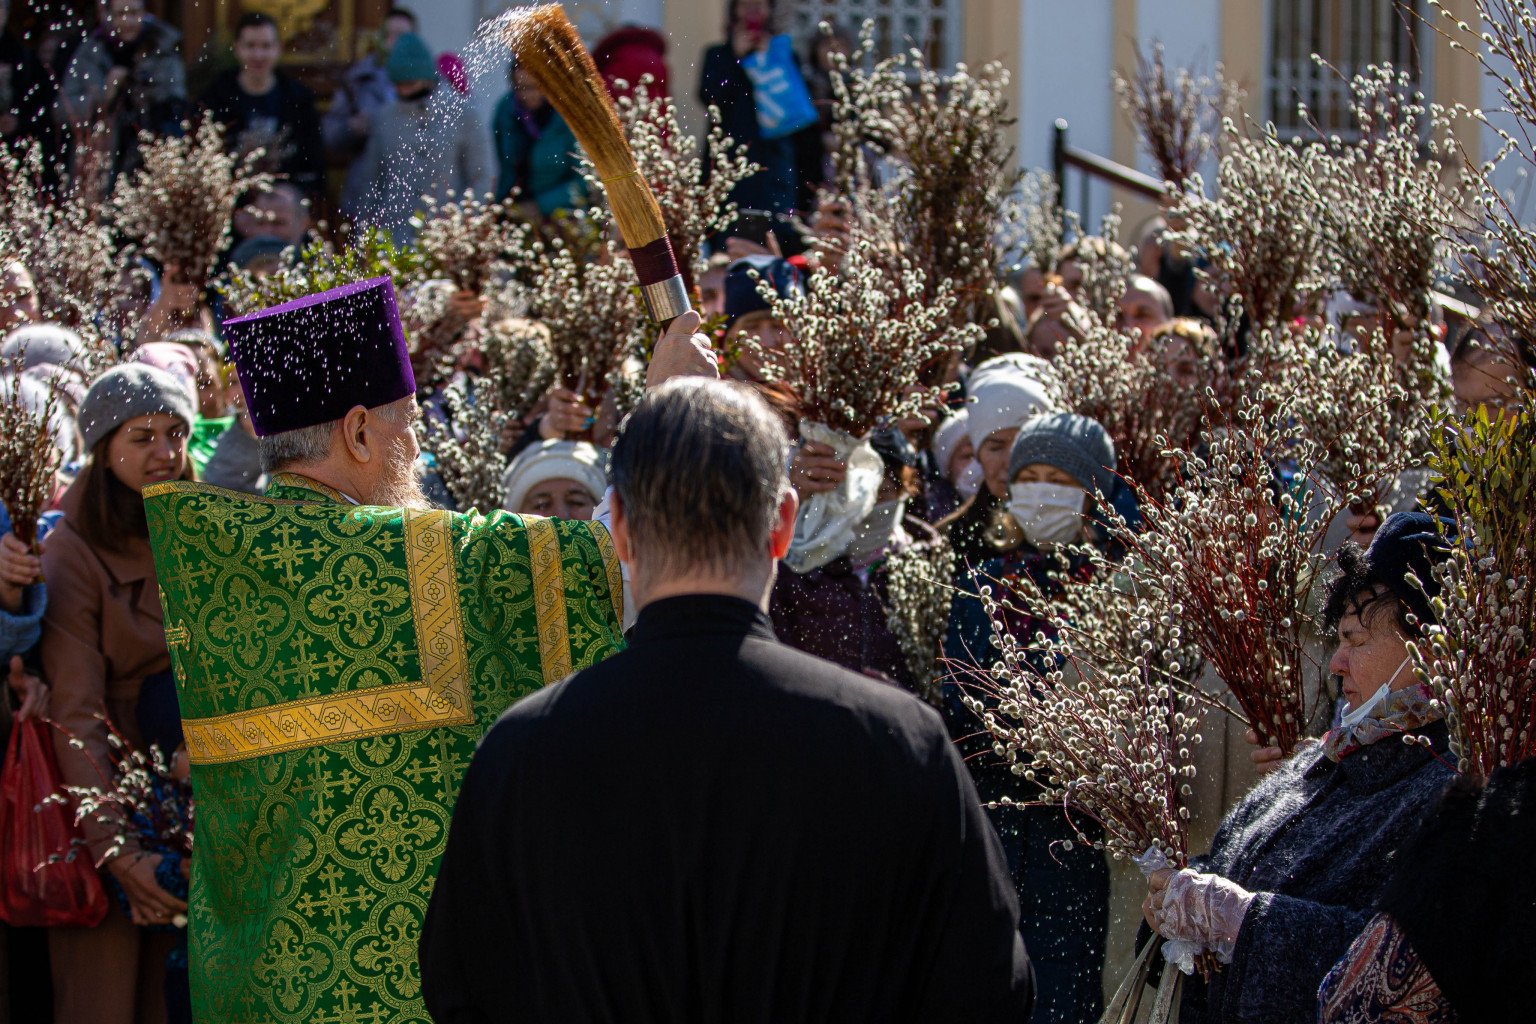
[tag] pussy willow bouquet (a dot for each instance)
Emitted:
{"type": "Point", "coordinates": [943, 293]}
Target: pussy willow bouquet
{"type": "Point", "coordinates": [694, 197]}
{"type": "Point", "coordinates": [919, 598]}
{"type": "Point", "coordinates": [944, 135]}
{"type": "Point", "coordinates": [1145, 409]}
{"type": "Point", "coordinates": [179, 204]}
{"type": "Point", "coordinates": [468, 239]}
{"type": "Point", "coordinates": [1354, 405]}
{"type": "Point", "coordinates": [1480, 659]}
{"type": "Point", "coordinates": [68, 252]}
{"type": "Point", "coordinates": [1235, 554]}
{"type": "Point", "coordinates": [859, 340]}
{"type": "Point", "coordinates": [1263, 234]}
{"type": "Point", "coordinates": [1389, 205]}
{"type": "Point", "coordinates": [594, 316]}
{"type": "Point", "coordinates": [28, 456]}
{"type": "Point", "coordinates": [1178, 118]}
{"type": "Point", "coordinates": [140, 801]}
{"type": "Point", "coordinates": [1032, 222]}
{"type": "Point", "coordinates": [1496, 250]}
{"type": "Point", "coordinates": [1105, 264]}
{"type": "Point", "coordinates": [485, 412]}
{"type": "Point", "coordinates": [1098, 708]}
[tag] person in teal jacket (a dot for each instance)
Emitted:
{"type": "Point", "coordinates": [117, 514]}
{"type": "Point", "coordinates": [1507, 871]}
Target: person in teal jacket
{"type": "Point", "coordinates": [535, 150]}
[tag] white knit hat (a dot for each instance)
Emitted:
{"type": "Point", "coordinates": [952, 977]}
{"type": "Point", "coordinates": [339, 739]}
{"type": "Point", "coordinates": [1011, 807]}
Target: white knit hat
{"type": "Point", "coordinates": [553, 460]}
{"type": "Point", "coordinates": [1003, 397]}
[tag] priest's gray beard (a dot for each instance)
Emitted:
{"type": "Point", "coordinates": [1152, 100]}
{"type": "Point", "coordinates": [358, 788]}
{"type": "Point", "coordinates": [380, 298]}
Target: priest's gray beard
{"type": "Point", "coordinates": [400, 485]}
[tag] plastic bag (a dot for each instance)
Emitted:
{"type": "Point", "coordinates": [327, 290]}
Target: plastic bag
{"type": "Point", "coordinates": [46, 874]}
{"type": "Point", "coordinates": [778, 91]}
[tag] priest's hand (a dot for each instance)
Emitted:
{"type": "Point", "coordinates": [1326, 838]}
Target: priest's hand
{"type": "Point", "coordinates": [148, 903]}
{"type": "Point", "coordinates": [682, 352]}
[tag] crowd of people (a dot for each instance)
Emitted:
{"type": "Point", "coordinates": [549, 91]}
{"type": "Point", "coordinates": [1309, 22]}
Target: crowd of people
{"type": "Point", "coordinates": [388, 129]}
{"type": "Point", "coordinates": [763, 781]}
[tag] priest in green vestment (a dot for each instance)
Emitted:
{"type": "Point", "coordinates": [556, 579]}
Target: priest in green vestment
{"type": "Point", "coordinates": [339, 649]}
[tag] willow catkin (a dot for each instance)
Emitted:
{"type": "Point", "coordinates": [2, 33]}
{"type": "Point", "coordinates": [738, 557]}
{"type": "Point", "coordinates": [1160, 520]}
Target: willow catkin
{"type": "Point", "coordinates": [859, 340]}
{"type": "Point", "coordinates": [178, 205]}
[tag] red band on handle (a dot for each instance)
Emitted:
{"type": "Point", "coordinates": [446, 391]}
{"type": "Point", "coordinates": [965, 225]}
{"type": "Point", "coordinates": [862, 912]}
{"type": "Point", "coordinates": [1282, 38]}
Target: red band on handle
{"type": "Point", "coordinates": [654, 262]}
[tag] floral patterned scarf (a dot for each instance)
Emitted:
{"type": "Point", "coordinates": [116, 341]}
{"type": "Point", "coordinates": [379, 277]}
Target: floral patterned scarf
{"type": "Point", "coordinates": [1403, 711]}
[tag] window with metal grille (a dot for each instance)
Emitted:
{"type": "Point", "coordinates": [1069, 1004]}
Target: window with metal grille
{"type": "Point", "coordinates": [1348, 35]}
{"type": "Point", "coordinates": [932, 26]}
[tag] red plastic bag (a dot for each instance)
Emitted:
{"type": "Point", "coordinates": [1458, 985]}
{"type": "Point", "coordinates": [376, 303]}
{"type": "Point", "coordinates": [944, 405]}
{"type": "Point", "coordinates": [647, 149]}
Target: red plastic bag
{"type": "Point", "coordinates": [33, 891]}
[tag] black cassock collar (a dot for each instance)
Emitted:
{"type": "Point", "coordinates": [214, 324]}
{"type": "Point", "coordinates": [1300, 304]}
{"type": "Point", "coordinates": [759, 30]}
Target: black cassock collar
{"type": "Point", "coordinates": [697, 614]}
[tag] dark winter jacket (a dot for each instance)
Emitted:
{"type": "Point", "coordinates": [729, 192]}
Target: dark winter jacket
{"type": "Point", "coordinates": [1464, 894]}
{"type": "Point", "coordinates": [301, 150]}
{"type": "Point", "coordinates": [153, 97]}
{"type": "Point", "coordinates": [1063, 885]}
{"type": "Point", "coordinates": [1313, 842]}
{"type": "Point", "coordinates": [26, 90]}
{"type": "Point", "coordinates": [838, 613]}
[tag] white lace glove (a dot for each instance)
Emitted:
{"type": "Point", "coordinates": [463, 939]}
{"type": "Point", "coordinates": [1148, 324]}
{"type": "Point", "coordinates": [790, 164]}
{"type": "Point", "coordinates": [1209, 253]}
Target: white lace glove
{"type": "Point", "coordinates": [1203, 909]}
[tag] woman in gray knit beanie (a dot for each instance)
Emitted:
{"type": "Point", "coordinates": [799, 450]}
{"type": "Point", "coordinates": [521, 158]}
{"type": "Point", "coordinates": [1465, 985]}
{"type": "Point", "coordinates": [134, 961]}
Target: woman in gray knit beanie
{"type": "Point", "coordinates": [134, 423]}
{"type": "Point", "coordinates": [103, 645]}
{"type": "Point", "coordinates": [1059, 463]}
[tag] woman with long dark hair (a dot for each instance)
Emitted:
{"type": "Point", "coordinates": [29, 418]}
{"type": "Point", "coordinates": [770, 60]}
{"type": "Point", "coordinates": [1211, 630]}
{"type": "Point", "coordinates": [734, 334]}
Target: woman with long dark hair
{"type": "Point", "coordinates": [103, 643]}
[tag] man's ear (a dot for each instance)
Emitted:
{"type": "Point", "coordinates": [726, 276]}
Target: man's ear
{"type": "Point", "coordinates": [354, 433]}
{"type": "Point", "coordinates": [784, 524]}
{"type": "Point", "coordinates": [618, 527]}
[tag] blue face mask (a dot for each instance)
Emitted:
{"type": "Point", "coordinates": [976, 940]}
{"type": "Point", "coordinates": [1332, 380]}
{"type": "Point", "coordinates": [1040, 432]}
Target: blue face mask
{"type": "Point", "coordinates": [1371, 703]}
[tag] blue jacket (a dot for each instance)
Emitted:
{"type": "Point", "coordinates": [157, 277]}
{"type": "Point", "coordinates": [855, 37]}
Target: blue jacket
{"type": "Point", "coordinates": [19, 632]}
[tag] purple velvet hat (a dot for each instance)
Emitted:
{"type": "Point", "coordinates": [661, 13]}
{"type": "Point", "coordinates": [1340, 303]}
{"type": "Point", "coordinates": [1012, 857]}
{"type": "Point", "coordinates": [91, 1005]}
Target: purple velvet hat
{"type": "Point", "coordinates": [308, 361]}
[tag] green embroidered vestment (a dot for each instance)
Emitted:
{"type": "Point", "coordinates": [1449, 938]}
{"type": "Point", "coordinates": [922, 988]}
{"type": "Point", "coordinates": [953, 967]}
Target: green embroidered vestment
{"type": "Point", "coordinates": [336, 665]}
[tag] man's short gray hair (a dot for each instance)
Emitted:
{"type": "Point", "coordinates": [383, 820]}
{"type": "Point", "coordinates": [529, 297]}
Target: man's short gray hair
{"type": "Point", "coordinates": [310, 445]}
{"type": "Point", "coordinates": [700, 467]}
{"type": "Point", "coordinates": [303, 447]}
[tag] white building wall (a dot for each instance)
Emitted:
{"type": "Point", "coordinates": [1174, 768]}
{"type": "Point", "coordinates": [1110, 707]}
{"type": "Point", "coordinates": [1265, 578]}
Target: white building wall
{"type": "Point", "coordinates": [1066, 57]}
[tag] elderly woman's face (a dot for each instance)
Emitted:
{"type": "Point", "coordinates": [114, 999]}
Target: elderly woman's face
{"type": "Point", "coordinates": [561, 498]}
{"type": "Point", "coordinates": [1371, 652]}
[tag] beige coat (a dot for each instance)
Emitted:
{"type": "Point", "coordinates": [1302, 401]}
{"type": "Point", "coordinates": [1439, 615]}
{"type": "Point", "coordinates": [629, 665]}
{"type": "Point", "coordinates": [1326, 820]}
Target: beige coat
{"type": "Point", "coordinates": [103, 633]}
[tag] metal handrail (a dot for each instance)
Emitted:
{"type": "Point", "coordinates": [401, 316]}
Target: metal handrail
{"type": "Point", "coordinates": [1094, 166]}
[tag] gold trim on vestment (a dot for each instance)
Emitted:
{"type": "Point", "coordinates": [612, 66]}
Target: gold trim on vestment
{"type": "Point", "coordinates": [549, 597]}
{"type": "Point", "coordinates": [435, 605]}
{"type": "Point", "coordinates": [198, 487]}
{"type": "Point", "coordinates": [332, 718]}
{"type": "Point", "coordinates": [615, 573]}
{"type": "Point", "coordinates": [309, 483]}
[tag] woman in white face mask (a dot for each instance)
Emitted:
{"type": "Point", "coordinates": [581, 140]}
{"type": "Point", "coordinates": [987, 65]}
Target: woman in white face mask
{"type": "Point", "coordinates": [1039, 483]}
{"type": "Point", "coordinates": [1059, 462]}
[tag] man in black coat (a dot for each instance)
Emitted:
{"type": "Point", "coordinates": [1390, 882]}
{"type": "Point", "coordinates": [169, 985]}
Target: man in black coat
{"type": "Point", "coordinates": [712, 826]}
{"type": "Point", "coordinates": [261, 106]}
